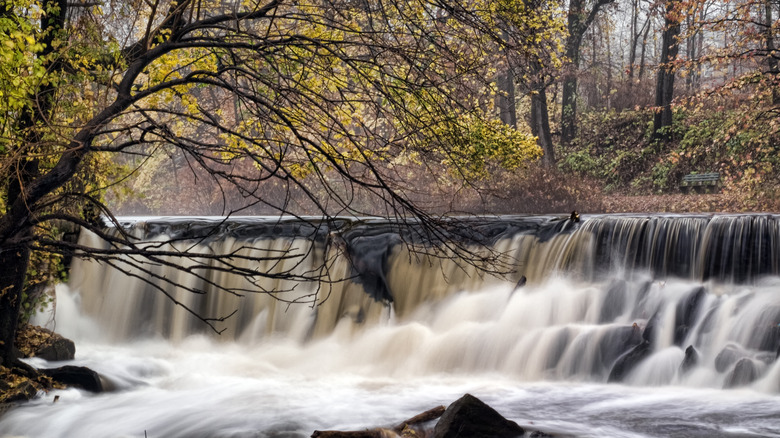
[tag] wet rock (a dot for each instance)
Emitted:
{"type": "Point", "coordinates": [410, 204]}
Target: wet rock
{"type": "Point", "coordinates": [79, 377]}
{"type": "Point", "coordinates": [744, 372]}
{"type": "Point", "coordinates": [730, 354]}
{"type": "Point", "coordinates": [649, 334]}
{"type": "Point", "coordinates": [556, 350]}
{"type": "Point", "coordinates": [767, 330]}
{"type": "Point", "coordinates": [616, 342]}
{"type": "Point", "coordinates": [23, 392]}
{"type": "Point", "coordinates": [59, 349]}
{"type": "Point", "coordinates": [470, 417]}
{"type": "Point", "coordinates": [540, 434]}
{"type": "Point", "coordinates": [765, 357]}
{"type": "Point", "coordinates": [629, 361]}
{"type": "Point", "coordinates": [34, 341]}
{"type": "Point", "coordinates": [614, 302]}
{"type": "Point", "coordinates": [686, 313]}
{"type": "Point", "coordinates": [690, 360]}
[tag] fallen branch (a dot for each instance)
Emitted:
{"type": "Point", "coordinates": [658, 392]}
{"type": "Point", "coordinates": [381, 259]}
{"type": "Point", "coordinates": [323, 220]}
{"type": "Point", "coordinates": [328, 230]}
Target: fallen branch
{"type": "Point", "coordinates": [426, 416]}
{"type": "Point", "coordinates": [430, 414]}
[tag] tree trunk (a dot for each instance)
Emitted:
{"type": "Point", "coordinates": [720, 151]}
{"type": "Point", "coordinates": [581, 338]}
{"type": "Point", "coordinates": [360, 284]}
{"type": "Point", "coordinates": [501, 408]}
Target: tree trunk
{"type": "Point", "coordinates": [506, 98]}
{"type": "Point", "coordinates": [770, 50]}
{"type": "Point", "coordinates": [642, 57]}
{"type": "Point", "coordinates": [569, 96]}
{"type": "Point", "coordinates": [664, 89]}
{"type": "Point", "coordinates": [540, 125]}
{"type": "Point", "coordinates": [608, 66]}
{"type": "Point", "coordinates": [578, 22]}
{"type": "Point", "coordinates": [13, 266]}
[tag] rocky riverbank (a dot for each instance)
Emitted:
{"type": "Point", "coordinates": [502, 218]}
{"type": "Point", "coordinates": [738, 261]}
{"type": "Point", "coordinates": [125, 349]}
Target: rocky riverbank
{"type": "Point", "coordinates": [20, 382]}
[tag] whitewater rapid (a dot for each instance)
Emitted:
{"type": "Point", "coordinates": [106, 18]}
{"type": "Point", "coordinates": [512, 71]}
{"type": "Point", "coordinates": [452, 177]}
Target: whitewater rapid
{"type": "Point", "coordinates": [353, 379]}
{"type": "Point", "coordinates": [629, 326]}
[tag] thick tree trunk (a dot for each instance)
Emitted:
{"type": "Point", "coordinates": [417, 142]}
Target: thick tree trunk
{"type": "Point", "coordinates": [569, 94]}
{"type": "Point", "coordinates": [540, 125]}
{"type": "Point", "coordinates": [13, 266]}
{"type": "Point", "coordinates": [664, 89]}
{"type": "Point", "coordinates": [578, 22]}
{"type": "Point", "coordinates": [569, 108]}
{"type": "Point", "coordinates": [506, 98]}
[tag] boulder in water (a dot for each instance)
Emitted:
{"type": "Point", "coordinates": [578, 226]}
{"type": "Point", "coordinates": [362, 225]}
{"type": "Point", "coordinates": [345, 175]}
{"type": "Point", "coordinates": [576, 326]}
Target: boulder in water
{"type": "Point", "coordinates": [34, 341]}
{"type": "Point", "coordinates": [744, 372]}
{"type": "Point", "coordinates": [470, 417]}
{"type": "Point", "coordinates": [768, 328]}
{"type": "Point", "coordinates": [629, 361]}
{"type": "Point", "coordinates": [649, 332]}
{"type": "Point", "coordinates": [617, 341]}
{"type": "Point", "coordinates": [730, 354]}
{"type": "Point", "coordinates": [614, 301]}
{"type": "Point", "coordinates": [79, 377]}
{"type": "Point", "coordinates": [686, 313]}
{"type": "Point", "coordinates": [691, 359]}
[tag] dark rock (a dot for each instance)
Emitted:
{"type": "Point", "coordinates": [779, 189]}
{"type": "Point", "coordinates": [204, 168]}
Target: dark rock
{"type": "Point", "coordinates": [730, 354]}
{"type": "Point", "coordinates": [540, 434]}
{"type": "Point", "coordinates": [616, 342]}
{"type": "Point", "coordinates": [469, 417]}
{"type": "Point", "coordinates": [25, 391]}
{"type": "Point", "coordinates": [691, 359]}
{"type": "Point", "coordinates": [34, 341]}
{"type": "Point", "coordinates": [765, 357]}
{"type": "Point", "coordinates": [556, 350]}
{"type": "Point", "coordinates": [767, 330]}
{"type": "Point", "coordinates": [58, 349]}
{"type": "Point", "coordinates": [629, 361]}
{"type": "Point", "coordinates": [649, 333]}
{"type": "Point", "coordinates": [686, 313]}
{"type": "Point", "coordinates": [79, 377]}
{"type": "Point", "coordinates": [744, 372]}
{"type": "Point", "coordinates": [369, 255]}
{"type": "Point", "coordinates": [614, 302]}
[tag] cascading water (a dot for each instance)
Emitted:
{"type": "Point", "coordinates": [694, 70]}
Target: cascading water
{"type": "Point", "coordinates": [627, 326]}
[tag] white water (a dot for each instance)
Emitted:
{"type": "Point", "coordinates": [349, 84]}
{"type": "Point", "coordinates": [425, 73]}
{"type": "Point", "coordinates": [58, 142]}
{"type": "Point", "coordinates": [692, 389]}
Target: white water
{"type": "Point", "coordinates": [354, 379]}
{"type": "Point", "coordinates": [540, 355]}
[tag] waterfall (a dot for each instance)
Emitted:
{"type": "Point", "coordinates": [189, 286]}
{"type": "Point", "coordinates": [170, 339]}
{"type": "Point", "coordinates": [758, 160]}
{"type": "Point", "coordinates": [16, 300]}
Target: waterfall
{"type": "Point", "coordinates": [628, 326]}
{"type": "Point", "coordinates": [649, 300]}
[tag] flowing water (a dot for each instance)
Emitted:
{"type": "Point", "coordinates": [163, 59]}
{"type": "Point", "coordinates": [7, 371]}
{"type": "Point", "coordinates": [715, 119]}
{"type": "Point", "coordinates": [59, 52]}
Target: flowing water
{"type": "Point", "coordinates": [626, 326]}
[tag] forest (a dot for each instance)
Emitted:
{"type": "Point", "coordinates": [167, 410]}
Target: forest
{"type": "Point", "coordinates": [408, 109]}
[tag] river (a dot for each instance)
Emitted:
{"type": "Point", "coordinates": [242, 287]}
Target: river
{"type": "Point", "coordinates": [542, 354]}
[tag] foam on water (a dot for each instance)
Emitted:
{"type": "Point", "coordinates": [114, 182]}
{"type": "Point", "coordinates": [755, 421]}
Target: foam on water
{"type": "Point", "coordinates": [541, 354]}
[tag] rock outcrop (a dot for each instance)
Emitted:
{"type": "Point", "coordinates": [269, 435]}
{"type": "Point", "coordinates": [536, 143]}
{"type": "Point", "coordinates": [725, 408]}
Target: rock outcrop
{"type": "Point", "coordinates": [470, 417]}
{"type": "Point", "coordinates": [34, 341]}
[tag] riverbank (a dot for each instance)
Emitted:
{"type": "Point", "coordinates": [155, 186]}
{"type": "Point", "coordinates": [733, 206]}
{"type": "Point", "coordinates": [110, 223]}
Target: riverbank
{"type": "Point", "coordinates": [683, 203]}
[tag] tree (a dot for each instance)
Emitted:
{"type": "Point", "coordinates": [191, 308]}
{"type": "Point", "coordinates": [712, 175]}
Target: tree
{"type": "Point", "coordinates": [326, 98]}
{"type": "Point", "coordinates": [536, 63]}
{"type": "Point", "coordinates": [664, 89]}
{"type": "Point", "coordinates": [579, 20]}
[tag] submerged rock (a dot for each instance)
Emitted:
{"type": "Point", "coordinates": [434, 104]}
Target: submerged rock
{"type": "Point", "coordinates": [617, 342]}
{"type": "Point", "coordinates": [691, 359]}
{"type": "Point", "coordinates": [649, 334]}
{"type": "Point", "coordinates": [744, 372]}
{"type": "Point", "coordinates": [470, 417]}
{"type": "Point", "coordinates": [686, 313]}
{"type": "Point", "coordinates": [629, 361]}
{"type": "Point", "coordinates": [730, 354]}
{"type": "Point", "coordinates": [614, 302]}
